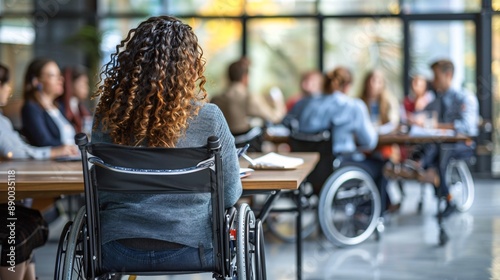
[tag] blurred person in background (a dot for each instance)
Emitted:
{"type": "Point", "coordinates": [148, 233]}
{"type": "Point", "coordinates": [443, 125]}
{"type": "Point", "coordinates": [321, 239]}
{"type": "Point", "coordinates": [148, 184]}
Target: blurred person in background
{"type": "Point", "coordinates": [239, 105]}
{"type": "Point", "coordinates": [456, 110]}
{"type": "Point", "coordinates": [31, 231]}
{"type": "Point", "coordinates": [76, 93]}
{"type": "Point", "coordinates": [419, 96]}
{"type": "Point", "coordinates": [311, 84]}
{"type": "Point", "coordinates": [384, 111]}
{"type": "Point", "coordinates": [346, 118]}
{"type": "Point", "coordinates": [43, 122]}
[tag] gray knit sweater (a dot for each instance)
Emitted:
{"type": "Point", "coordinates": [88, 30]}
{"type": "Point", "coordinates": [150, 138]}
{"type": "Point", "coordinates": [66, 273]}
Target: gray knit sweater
{"type": "Point", "coordinates": [173, 218]}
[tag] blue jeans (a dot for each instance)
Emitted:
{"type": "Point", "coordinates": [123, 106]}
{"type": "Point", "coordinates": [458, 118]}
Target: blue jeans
{"type": "Point", "coordinates": [117, 257]}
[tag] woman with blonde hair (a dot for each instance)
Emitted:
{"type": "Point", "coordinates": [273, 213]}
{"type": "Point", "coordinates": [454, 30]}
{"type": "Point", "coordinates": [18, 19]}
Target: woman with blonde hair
{"type": "Point", "coordinates": [383, 107]}
{"type": "Point", "coordinates": [153, 95]}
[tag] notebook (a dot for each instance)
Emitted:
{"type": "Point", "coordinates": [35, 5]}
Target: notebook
{"type": "Point", "coordinates": [276, 161]}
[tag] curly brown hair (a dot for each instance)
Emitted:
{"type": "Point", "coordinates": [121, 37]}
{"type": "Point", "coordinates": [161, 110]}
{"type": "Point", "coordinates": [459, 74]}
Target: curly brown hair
{"type": "Point", "coordinates": [149, 89]}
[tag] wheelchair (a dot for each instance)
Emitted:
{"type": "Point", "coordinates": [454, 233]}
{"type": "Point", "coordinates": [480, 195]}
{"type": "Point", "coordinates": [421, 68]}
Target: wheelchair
{"type": "Point", "coordinates": [238, 239]}
{"type": "Point", "coordinates": [460, 184]}
{"type": "Point", "coordinates": [349, 207]}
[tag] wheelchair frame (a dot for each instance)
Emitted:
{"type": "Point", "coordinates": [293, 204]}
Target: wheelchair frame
{"type": "Point", "coordinates": [238, 249]}
{"type": "Point", "coordinates": [331, 182]}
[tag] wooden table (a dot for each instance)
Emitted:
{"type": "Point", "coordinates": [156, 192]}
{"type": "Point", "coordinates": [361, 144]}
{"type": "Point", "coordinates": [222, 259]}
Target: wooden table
{"type": "Point", "coordinates": [405, 139]}
{"type": "Point", "coordinates": [37, 179]}
{"type": "Point", "coordinates": [47, 178]}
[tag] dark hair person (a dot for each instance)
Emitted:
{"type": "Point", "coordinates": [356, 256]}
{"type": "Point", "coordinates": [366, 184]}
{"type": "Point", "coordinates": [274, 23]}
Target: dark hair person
{"type": "Point", "coordinates": [43, 122]}
{"type": "Point", "coordinates": [31, 231]}
{"type": "Point", "coordinates": [76, 92]}
{"type": "Point", "coordinates": [152, 95]}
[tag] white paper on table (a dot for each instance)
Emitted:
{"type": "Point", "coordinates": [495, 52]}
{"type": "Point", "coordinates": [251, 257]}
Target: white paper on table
{"type": "Point", "coordinates": [418, 131]}
{"type": "Point", "coordinates": [277, 161]}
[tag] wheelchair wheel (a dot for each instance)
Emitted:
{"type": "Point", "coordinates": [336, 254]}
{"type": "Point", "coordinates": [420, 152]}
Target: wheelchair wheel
{"type": "Point", "coordinates": [245, 249]}
{"type": "Point", "coordinates": [74, 266]}
{"type": "Point", "coordinates": [260, 255]}
{"type": "Point", "coordinates": [62, 248]}
{"type": "Point", "coordinates": [282, 224]}
{"type": "Point", "coordinates": [349, 206]}
{"type": "Point", "coordinates": [460, 184]}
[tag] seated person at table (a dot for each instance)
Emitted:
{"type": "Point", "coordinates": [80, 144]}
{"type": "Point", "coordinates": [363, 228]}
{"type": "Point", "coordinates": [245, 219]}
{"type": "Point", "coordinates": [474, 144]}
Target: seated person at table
{"type": "Point", "coordinates": [311, 84]}
{"type": "Point", "coordinates": [456, 110]}
{"type": "Point", "coordinates": [76, 92]}
{"type": "Point", "coordinates": [156, 98]}
{"type": "Point", "coordinates": [383, 108]}
{"type": "Point", "coordinates": [31, 234]}
{"type": "Point", "coordinates": [239, 105]}
{"type": "Point", "coordinates": [43, 122]}
{"type": "Point", "coordinates": [348, 120]}
{"type": "Point", "coordinates": [11, 144]}
{"type": "Point", "coordinates": [419, 96]}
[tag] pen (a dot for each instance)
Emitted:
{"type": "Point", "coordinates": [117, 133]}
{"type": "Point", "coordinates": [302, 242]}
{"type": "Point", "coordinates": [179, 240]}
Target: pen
{"type": "Point", "coordinates": [242, 150]}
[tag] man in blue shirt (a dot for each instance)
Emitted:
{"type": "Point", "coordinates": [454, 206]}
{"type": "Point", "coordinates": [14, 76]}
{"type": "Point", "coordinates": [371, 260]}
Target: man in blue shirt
{"type": "Point", "coordinates": [457, 110]}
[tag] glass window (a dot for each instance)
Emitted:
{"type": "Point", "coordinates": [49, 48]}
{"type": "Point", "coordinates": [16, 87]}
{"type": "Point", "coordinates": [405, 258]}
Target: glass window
{"type": "Point", "coordinates": [454, 40]}
{"type": "Point", "coordinates": [113, 32]}
{"type": "Point", "coordinates": [280, 50]}
{"type": "Point", "coordinates": [495, 71]}
{"type": "Point", "coordinates": [17, 37]}
{"type": "Point", "coordinates": [441, 6]}
{"type": "Point", "coordinates": [128, 6]}
{"type": "Point", "coordinates": [359, 6]}
{"type": "Point", "coordinates": [495, 5]}
{"type": "Point", "coordinates": [206, 7]}
{"type": "Point", "coordinates": [363, 45]}
{"type": "Point", "coordinates": [280, 7]}
{"type": "Point", "coordinates": [52, 8]}
{"type": "Point", "coordinates": [17, 6]}
{"type": "Point", "coordinates": [220, 40]}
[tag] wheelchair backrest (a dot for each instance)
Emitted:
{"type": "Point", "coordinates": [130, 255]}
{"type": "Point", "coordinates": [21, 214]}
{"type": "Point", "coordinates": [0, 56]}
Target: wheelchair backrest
{"type": "Point", "coordinates": [320, 142]}
{"type": "Point", "coordinates": [140, 169]}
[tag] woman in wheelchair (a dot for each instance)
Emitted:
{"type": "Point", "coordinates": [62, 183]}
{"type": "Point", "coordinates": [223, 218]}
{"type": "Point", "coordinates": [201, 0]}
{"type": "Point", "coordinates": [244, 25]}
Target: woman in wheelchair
{"type": "Point", "coordinates": [153, 95]}
{"type": "Point", "coordinates": [347, 118]}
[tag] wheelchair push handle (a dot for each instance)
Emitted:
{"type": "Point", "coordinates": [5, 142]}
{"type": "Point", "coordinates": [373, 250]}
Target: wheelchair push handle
{"type": "Point", "coordinates": [213, 143]}
{"type": "Point", "coordinates": [81, 139]}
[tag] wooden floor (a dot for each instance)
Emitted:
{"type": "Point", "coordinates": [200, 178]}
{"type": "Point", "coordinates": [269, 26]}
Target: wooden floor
{"type": "Point", "coordinates": [407, 250]}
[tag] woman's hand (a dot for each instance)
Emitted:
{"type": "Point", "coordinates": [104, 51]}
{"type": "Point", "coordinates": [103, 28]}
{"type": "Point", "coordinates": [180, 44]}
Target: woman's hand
{"type": "Point", "coordinates": [62, 151]}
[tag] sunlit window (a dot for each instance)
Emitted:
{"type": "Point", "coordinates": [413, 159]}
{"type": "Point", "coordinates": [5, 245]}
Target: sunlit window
{"type": "Point", "coordinates": [127, 6]}
{"type": "Point", "coordinates": [280, 50]}
{"type": "Point", "coordinates": [206, 7]}
{"type": "Point", "coordinates": [454, 40]}
{"type": "Point", "coordinates": [359, 7]}
{"type": "Point", "coordinates": [363, 45]}
{"type": "Point", "coordinates": [495, 5]}
{"type": "Point", "coordinates": [280, 7]}
{"type": "Point", "coordinates": [220, 40]}
{"type": "Point", "coordinates": [441, 6]}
